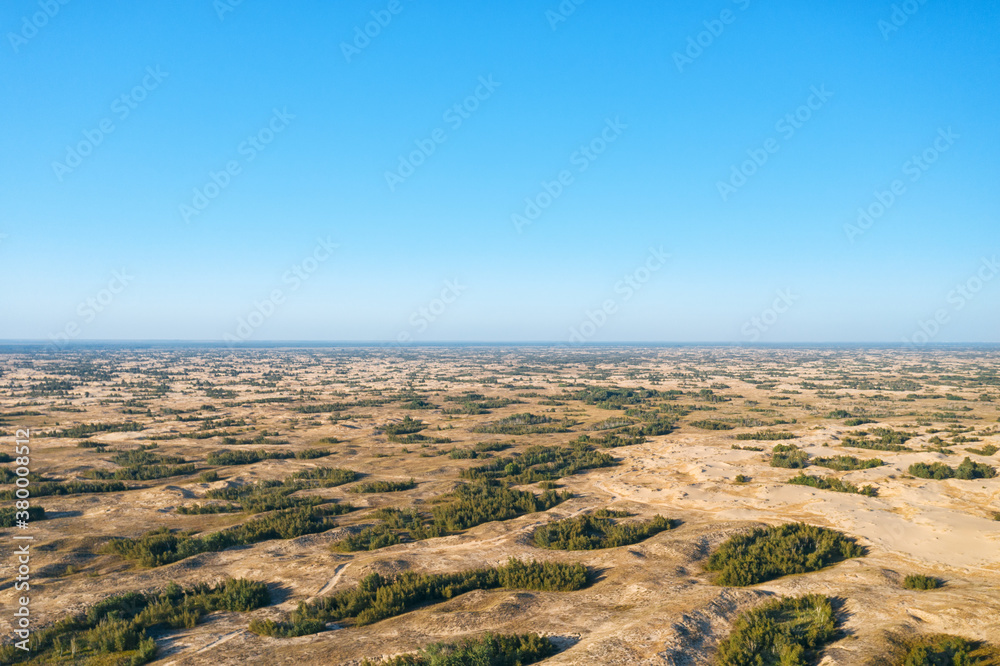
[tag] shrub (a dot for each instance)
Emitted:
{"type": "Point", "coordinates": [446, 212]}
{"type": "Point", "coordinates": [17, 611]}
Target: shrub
{"type": "Point", "coordinates": [886, 439]}
{"type": "Point", "coordinates": [69, 488]}
{"type": "Point", "coordinates": [383, 486]}
{"type": "Point", "coordinates": [161, 546]}
{"type": "Point", "coordinates": [771, 552]}
{"type": "Point", "coordinates": [377, 598]}
{"type": "Point", "coordinates": [712, 425]}
{"type": "Point", "coordinates": [522, 424]}
{"type": "Point", "coordinates": [847, 463]}
{"type": "Point", "coordinates": [832, 483]}
{"type": "Point", "coordinates": [765, 435]}
{"type": "Point", "coordinates": [986, 450]}
{"type": "Point", "coordinates": [944, 650]}
{"type": "Point", "coordinates": [209, 476]}
{"type": "Point", "coordinates": [785, 632]}
{"type": "Point", "coordinates": [244, 457]}
{"type": "Point", "coordinates": [789, 456]}
{"type": "Point", "coordinates": [921, 582]}
{"type": "Point", "coordinates": [967, 470]}
{"type": "Point", "coordinates": [370, 538]}
{"type": "Point", "coordinates": [484, 501]}
{"type": "Point", "coordinates": [113, 631]}
{"type": "Point", "coordinates": [541, 463]}
{"type": "Point", "coordinates": [613, 440]}
{"type": "Point", "coordinates": [8, 515]}
{"type": "Point", "coordinates": [741, 478]}
{"type": "Point", "coordinates": [591, 532]}
{"type": "Point", "coordinates": [492, 649]}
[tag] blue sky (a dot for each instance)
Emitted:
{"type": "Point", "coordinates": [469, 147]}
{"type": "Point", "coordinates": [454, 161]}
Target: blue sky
{"type": "Point", "coordinates": [438, 255]}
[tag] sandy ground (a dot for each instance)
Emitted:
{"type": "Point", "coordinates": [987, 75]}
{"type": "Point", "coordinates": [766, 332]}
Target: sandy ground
{"type": "Point", "coordinates": [652, 602]}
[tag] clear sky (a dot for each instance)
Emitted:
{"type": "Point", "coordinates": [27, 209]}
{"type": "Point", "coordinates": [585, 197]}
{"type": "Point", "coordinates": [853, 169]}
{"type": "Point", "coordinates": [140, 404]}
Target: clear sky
{"type": "Point", "coordinates": [629, 128]}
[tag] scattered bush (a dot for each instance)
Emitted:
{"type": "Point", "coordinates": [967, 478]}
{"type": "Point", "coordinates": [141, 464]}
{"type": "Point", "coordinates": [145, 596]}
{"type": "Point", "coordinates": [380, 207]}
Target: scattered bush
{"type": "Point", "coordinates": [833, 483]}
{"type": "Point", "coordinates": [113, 631]}
{"type": "Point", "coordinates": [847, 463]}
{"type": "Point", "coordinates": [541, 463]}
{"type": "Point", "coordinates": [789, 456]}
{"type": "Point", "coordinates": [921, 582]}
{"type": "Point", "coordinates": [8, 516]}
{"type": "Point", "coordinates": [944, 650]}
{"type": "Point", "coordinates": [966, 471]}
{"type": "Point", "coordinates": [886, 439]}
{"type": "Point", "coordinates": [591, 532]}
{"type": "Point", "coordinates": [986, 450]}
{"type": "Point", "coordinates": [771, 552]}
{"type": "Point", "coordinates": [69, 488]}
{"type": "Point", "coordinates": [712, 425]}
{"type": "Point", "coordinates": [377, 598]}
{"type": "Point", "coordinates": [85, 430]}
{"type": "Point", "coordinates": [522, 424]}
{"type": "Point", "coordinates": [492, 649]}
{"type": "Point", "coordinates": [765, 435]}
{"type": "Point", "coordinates": [383, 486]}
{"type": "Point", "coordinates": [785, 632]}
{"type": "Point", "coordinates": [161, 546]}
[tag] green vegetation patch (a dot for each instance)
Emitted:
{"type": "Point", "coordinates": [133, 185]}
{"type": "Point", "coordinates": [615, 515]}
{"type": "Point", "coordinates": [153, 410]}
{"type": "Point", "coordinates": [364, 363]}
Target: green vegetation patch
{"type": "Point", "coordinates": [765, 435]}
{"type": "Point", "coordinates": [882, 439]}
{"type": "Point", "coordinates": [162, 546]}
{"type": "Point", "coordinates": [986, 450]}
{"type": "Point", "coordinates": [834, 484]}
{"type": "Point", "coordinates": [847, 463]}
{"type": "Point", "coordinates": [613, 440]}
{"type": "Point", "coordinates": [943, 650]}
{"type": "Point", "coordinates": [69, 488]}
{"type": "Point", "coordinates": [523, 424]}
{"type": "Point", "coordinates": [377, 598]}
{"type": "Point", "coordinates": [789, 456]}
{"type": "Point", "coordinates": [709, 424]}
{"type": "Point", "coordinates": [767, 553]}
{"type": "Point", "coordinates": [922, 582]}
{"type": "Point", "coordinates": [785, 632]}
{"type": "Point", "coordinates": [491, 649]}
{"type": "Point", "coordinates": [599, 530]}
{"type": "Point", "coordinates": [967, 470]}
{"type": "Point", "coordinates": [468, 505]}
{"type": "Point", "coordinates": [113, 631]}
{"type": "Point", "coordinates": [8, 515]}
{"type": "Point", "coordinates": [85, 430]}
{"type": "Point", "coordinates": [383, 486]}
{"type": "Point", "coordinates": [541, 463]}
